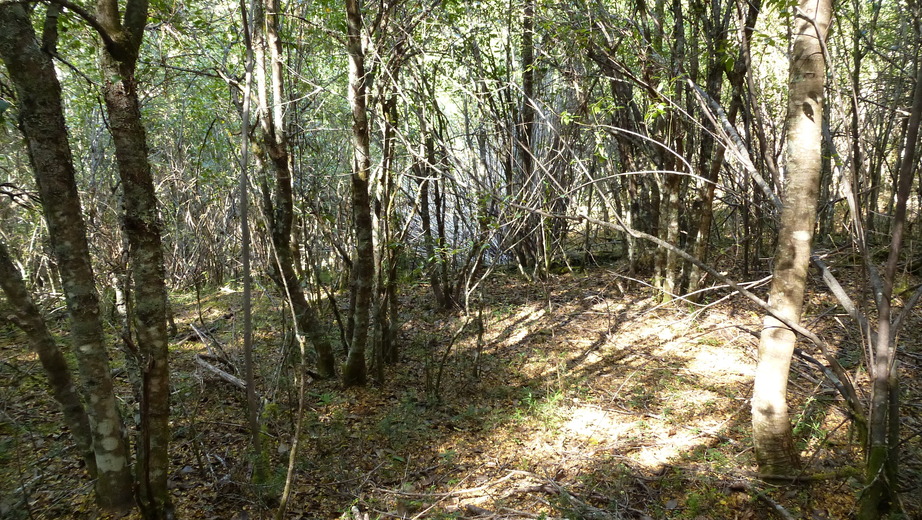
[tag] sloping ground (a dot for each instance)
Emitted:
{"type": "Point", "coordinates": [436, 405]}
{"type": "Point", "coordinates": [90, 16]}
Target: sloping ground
{"type": "Point", "coordinates": [580, 398]}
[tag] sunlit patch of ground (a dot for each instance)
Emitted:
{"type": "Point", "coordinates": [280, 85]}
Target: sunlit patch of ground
{"type": "Point", "coordinates": [585, 401]}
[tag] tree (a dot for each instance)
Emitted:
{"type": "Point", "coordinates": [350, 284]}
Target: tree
{"type": "Point", "coordinates": [363, 264]}
{"type": "Point", "coordinates": [41, 120]}
{"type": "Point", "coordinates": [883, 419]}
{"type": "Point", "coordinates": [118, 61]}
{"type": "Point", "coordinates": [30, 320]}
{"type": "Point", "coordinates": [278, 201]}
{"type": "Point", "coordinates": [771, 426]}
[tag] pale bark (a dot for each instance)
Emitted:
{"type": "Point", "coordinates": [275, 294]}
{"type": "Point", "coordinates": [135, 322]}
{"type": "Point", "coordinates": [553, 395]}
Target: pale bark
{"type": "Point", "coordinates": [41, 118]}
{"type": "Point", "coordinates": [771, 426]}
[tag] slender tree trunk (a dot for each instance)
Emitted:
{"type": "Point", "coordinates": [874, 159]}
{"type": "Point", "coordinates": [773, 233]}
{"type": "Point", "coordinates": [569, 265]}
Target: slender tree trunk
{"type": "Point", "coordinates": [280, 208]}
{"type": "Point", "coordinates": [355, 372]}
{"type": "Point", "coordinates": [145, 252]}
{"type": "Point", "coordinates": [710, 166]}
{"type": "Point", "coordinates": [672, 184]}
{"type": "Point", "coordinates": [29, 319]}
{"type": "Point", "coordinates": [529, 242]}
{"type": "Point", "coordinates": [425, 178]}
{"type": "Point", "coordinates": [41, 118]}
{"type": "Point", "coordinates": [883, 420]}
{"type": "Point", "coordinates": [771, 426]}
{"type": "Point", "coordinates": [253, 409]}
{"type": "Point", "coordinates": [390, 250]}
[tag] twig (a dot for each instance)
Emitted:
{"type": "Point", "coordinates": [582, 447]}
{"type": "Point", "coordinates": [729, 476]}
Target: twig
{"type": "Point", "coordinates": [776, 507]}
{"type": "Point", "coordinates": [448, 494]}
{"type": "Point", "coordinates": [583, 509]}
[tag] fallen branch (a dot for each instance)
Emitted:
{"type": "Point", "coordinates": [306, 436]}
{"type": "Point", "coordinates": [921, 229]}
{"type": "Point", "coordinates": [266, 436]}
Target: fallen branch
{"type": "Point", "coordinates": [776, 507]}
{"type": "Point", "coordinates": [201, 360]}
{"type": "Point", "coordinates": [449, 494]}
{"type": "Point", "coordinates": [850, 395]}
{"type": "Point", "coordinates": [745, 487]}
{"type": "Point", "coordinates": [207, 339]}
{"type": "Point", "coordinates": [570, 503]}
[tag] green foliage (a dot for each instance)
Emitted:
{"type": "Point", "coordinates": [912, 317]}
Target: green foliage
{"type": "Point", "coordinates": [4, 106]}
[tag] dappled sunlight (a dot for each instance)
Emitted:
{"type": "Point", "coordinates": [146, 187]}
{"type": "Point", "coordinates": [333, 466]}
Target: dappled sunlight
{"type": "Point", "coordinates": [722, 363]}
{"type": "Point", "coordinates": [595, 425]}
{"type": "Point", "coordinates": [623, 406]}
{"type": "Point", "coordinates": [522, 322]}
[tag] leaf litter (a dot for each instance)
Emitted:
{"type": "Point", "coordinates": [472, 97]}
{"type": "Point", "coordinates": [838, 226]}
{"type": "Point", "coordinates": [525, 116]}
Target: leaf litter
{"type": "Point", "coordinates": [580, 399]}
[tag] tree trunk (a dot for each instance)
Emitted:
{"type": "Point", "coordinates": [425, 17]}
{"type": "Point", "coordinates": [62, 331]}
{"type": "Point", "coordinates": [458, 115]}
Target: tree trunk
{"type": "Point", "coordinates": [279, 209]}
{"type": "Point", "coordinates": [260, 462]}
{"type": "Point", "coordinates": [673, 183]}
{"type": "Point", "coordinates": [41, 118]}
{"type": "Point", "coordinates": [883, 417]}
{"type": "Point", "coordinates": [771, 427]}
{"type": "Point", "coordinates": [145, 253]}
{"type": "Point", "coordinates": [29, 319]}
{"type": "Point", "coordinates": [528, 244]}
{"type": "Point", "coordinates": [425, 178]}
{"type": "Point", "coordinates": [355, 372]}
{"type": "Point", "coordinates": [390, 251]}
{"type": "Point", "coordinates": [710, 165]}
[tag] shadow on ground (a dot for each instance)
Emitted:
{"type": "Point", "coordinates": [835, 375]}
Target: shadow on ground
{"type": "Point", "coordinates": [582, 401]}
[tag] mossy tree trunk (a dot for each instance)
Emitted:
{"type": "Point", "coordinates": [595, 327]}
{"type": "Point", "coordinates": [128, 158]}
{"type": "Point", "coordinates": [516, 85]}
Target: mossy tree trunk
{"type": "Point", "coordinates": [145, 252]}
{"type": "Point", "coordinates": [29, 319]}
{"type": "Point", "coordinates": [41, 119]}
{"type": "Point", "coordinates": [879, 497]}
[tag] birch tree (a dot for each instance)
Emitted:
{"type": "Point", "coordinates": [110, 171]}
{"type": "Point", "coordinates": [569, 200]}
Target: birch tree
{"type": "Point", "coordinates": [771, 426]}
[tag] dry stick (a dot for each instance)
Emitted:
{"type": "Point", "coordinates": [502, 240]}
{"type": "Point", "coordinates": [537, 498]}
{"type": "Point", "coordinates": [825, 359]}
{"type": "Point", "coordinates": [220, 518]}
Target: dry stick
{"type": "Point", "coordinates": [207, 339]}
{"type": "Point", "coordinates": [776, 507]}
{"type": "Point", "coordinates": [583, 509]}
{"type": "Point", "coordinates": [713, 111]}
{"type": "Point", "coordinates": [843, 298]}
{"type": "Point", "coordinates": [907, 308]}
{"type": "Point", "coordinates": [449, 494]}
{"type": "Point", "coordinates": [234, 380]}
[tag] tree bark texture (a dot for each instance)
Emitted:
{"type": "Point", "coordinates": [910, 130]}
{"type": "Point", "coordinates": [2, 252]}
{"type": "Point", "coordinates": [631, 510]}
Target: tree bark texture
{"type": "Point", "coordinates": [145, 253]}
{"type": "Point", "coordinates": [41, 119]}
{"type": "Point", "coordinates": [711, 164]}
{"type": "Point", "coordinates": [883, 418]}
{"type": "Point", "coordinates": [771, 426]}
{"type": "Point", "coordinates": [29, 319]}
{"type": "Point", "coordinates": [528, 247]}
{"type": "Point", "coordinates": [355, 372]}
{"type": "Point", "coordinates": [280, 208]}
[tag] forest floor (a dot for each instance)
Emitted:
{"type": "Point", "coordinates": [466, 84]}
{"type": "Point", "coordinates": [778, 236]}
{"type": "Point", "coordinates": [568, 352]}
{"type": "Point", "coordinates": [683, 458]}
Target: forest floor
{"type": "Point", "coordinates": [581, 398]}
